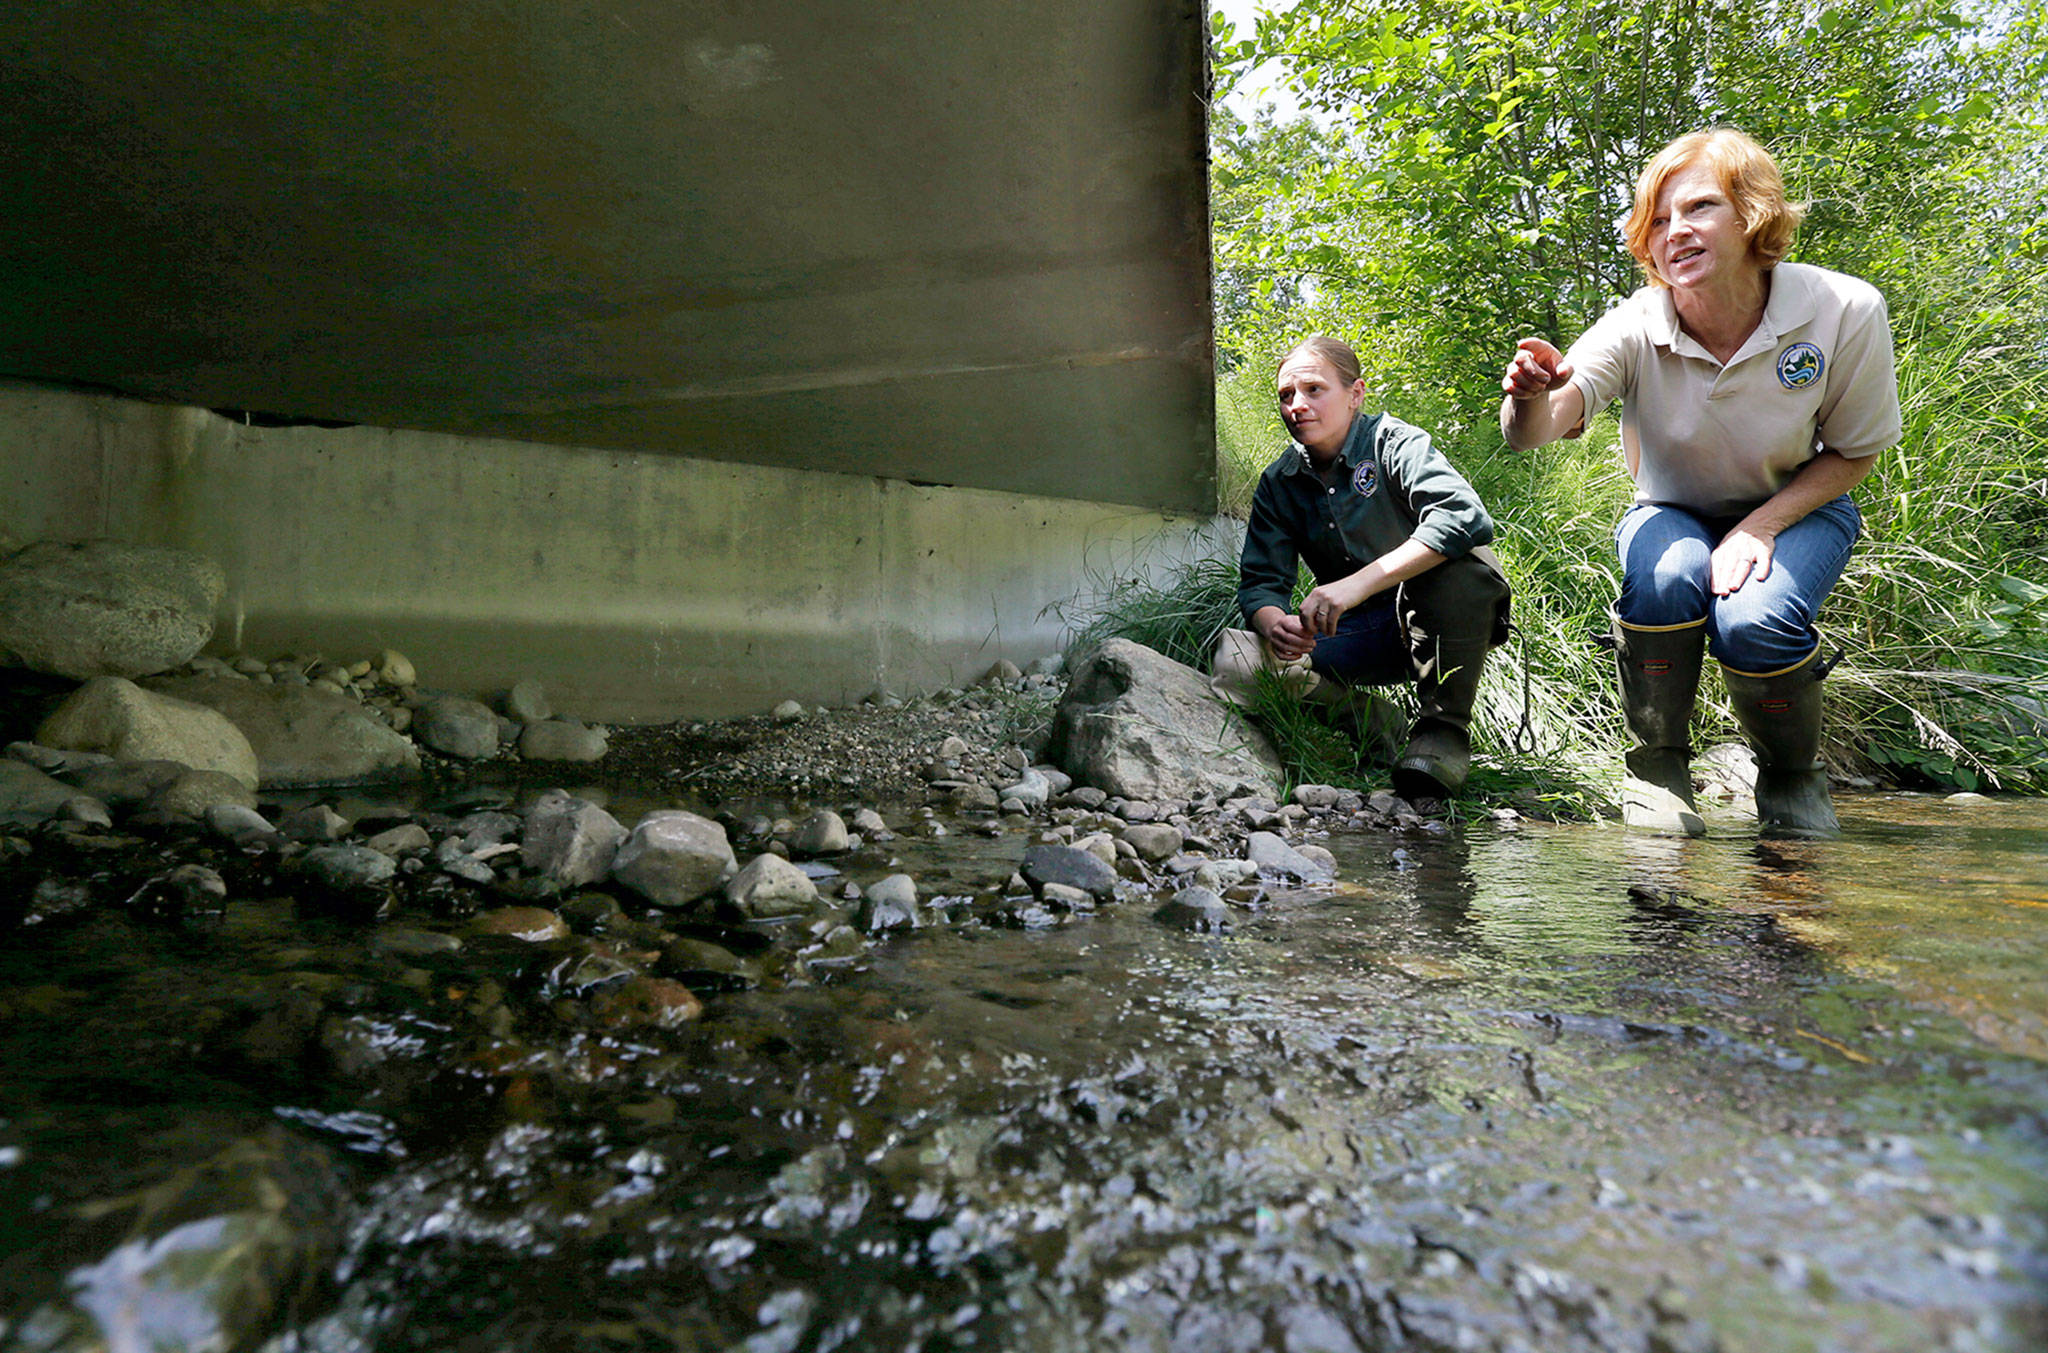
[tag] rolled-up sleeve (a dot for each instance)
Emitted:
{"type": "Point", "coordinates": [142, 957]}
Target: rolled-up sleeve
{"type": "Point", "coordinates": [1603, 360]}
{"type": "Point", "coordinates": [1449, 518]}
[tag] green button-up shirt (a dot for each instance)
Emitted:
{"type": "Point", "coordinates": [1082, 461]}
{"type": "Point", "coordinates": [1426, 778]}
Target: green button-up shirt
{"type": "Point", "coordinates": [1395, 486]}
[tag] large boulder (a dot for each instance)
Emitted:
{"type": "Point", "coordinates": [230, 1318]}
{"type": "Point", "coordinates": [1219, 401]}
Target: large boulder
{"type": "Point", "coordinates": [97, 608]}
{"type": "Point", "coordinates": [1137, 723]}
{"type": "Point", "coordinates": [115, 716]}
{"type": "Point", "coordinates": [302, 735]}
{"type": "Point", "coordinates": [673, 857]}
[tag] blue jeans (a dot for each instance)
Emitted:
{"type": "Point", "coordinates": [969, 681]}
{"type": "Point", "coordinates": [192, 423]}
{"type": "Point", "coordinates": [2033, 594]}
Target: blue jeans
{"type": "Point", "coordinates": [1761, 627]}
{"type": "Point", "coordinates": [1368, 648]}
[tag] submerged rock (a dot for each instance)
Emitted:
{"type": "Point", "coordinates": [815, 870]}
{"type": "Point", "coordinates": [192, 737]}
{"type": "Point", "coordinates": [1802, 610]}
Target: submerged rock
{"type": "Point", "coordinates": [533, 924]}
{"type": "Point", "coordinates": [646, 1002]}
{"type": "Point", "coordinates": [99, 608]}
{"type": "Point", "coordinates": [216, 1257]}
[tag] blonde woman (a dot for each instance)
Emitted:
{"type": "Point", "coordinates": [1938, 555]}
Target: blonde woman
{"type": "Point", "coordinates": [1755, 394]}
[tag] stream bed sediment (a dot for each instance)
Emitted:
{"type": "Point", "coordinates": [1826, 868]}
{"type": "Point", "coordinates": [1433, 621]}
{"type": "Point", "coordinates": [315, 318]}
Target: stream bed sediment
{"type": "Point", "coordinates": [1501, 1085]}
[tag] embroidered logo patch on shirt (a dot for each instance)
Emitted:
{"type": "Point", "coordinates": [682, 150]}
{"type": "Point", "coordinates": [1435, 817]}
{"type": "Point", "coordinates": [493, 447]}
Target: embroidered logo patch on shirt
{"type": "Point", "coordinates": [1800, 366]}
{"type": "Point", "coordinates": [1366, 479]}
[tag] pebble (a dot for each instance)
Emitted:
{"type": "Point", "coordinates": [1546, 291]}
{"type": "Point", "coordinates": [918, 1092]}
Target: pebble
{"type": "Point", "coordinates": [771, 888]}
{"type": "Point", "coordinates": [1153, 841]}
{"type": "Point", "coordinates": [822, 833]}
{"type": "Point", "coordinates": [1046, 864]}
{"type": "Point", "coordinates": [406, 839]}
{"type": "Point", "coordinates": [316, 822]}
{"type": "Point", "coordinates": [789, 711]}
{"type": "Point", "coordinates": [1274, 856]}
{"type": "Point", "coordinates": [1066, 898]}
{"type": "Point", "coordinates": [233, 822]}
{"type": "Point", "coordinates": [562, 740]}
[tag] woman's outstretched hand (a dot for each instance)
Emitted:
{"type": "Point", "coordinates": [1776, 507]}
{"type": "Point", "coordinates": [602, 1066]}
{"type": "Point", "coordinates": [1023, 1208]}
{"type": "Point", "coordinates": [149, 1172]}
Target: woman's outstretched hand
{"type": "Point", "coordinates": [1536, 367]}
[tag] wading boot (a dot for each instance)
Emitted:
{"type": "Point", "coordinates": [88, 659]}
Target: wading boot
{"type": "Point", "coordinates": [1370, 720]}
{"type": "Point", "coordinates": [1780, 714]}
{"type": "Point", "coordinates": [1660, 675]}
{"type": "Point", "coordinates": [1439, 750]}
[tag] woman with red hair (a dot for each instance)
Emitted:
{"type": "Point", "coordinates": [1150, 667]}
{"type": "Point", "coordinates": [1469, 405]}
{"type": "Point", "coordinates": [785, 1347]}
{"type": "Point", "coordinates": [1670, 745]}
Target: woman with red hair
{"type": "Point", "coordinates": [1755, 394]}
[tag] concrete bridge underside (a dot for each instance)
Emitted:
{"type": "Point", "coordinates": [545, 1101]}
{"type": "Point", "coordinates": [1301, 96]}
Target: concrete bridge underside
{"type": "Point", "coordinates": [689, 354]}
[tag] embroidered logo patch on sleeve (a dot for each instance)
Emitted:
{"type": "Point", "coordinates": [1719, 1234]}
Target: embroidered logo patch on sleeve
{"type": "Point", "coordinates": [1800, 366]}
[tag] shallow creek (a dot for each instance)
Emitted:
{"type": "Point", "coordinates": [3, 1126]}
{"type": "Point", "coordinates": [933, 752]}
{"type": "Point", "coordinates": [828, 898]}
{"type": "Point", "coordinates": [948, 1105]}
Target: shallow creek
{"type": "Point", "coordinates": [1515, 1086]}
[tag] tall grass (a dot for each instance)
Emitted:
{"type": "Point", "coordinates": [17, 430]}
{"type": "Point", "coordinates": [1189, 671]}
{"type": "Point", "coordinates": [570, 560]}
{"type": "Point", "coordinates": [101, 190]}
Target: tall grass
{"type": "Point", "coordinates": [1942, 613]}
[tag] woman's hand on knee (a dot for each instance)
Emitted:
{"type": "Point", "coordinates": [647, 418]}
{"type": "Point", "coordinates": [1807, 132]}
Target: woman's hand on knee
{"type": "Point", "coordinates": [1742, 556]}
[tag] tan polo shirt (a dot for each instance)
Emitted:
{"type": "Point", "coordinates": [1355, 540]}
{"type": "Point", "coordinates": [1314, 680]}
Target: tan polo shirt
{"type": "Point", "coordinates": [1718, 440]}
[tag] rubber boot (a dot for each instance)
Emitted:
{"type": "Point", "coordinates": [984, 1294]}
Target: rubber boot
{"type": "Point", "coordinates": [1780, 714]}
{"type": "Point", "coordinates": [1660, 676]}
{"type": "Point", "coordinates": [1451, 616]}
{"type": "Point", "coordinates": [1439, 752]}
{"type": "Point", "coordinates": [1370, 720]}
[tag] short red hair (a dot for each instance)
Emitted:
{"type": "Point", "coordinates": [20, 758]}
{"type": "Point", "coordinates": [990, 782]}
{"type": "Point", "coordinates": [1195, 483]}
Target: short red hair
{"type": "Point", "coordinates": [1746, 172]}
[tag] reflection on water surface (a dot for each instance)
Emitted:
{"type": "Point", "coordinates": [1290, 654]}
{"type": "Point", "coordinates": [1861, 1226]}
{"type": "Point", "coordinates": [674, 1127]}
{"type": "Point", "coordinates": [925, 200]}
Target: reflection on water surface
{"type": "Point", "coordinates": [1507, 1087]}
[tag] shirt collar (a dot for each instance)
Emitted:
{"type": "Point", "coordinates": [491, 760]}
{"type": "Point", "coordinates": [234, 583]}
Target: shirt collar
{"type": "Point", "coordinates": [1352, 452]}
{"type": "Point", "coordinates": [1790, 304]}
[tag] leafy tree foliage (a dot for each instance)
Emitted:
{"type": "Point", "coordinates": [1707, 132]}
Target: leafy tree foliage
{"type": "Point", "coordinates": [1466, 163]}
{"type": "Point", "coordinates": [1457, 183]}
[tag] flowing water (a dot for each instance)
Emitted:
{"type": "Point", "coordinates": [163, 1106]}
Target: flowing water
{"type": "Point", "coordinates": [1508, 1086]}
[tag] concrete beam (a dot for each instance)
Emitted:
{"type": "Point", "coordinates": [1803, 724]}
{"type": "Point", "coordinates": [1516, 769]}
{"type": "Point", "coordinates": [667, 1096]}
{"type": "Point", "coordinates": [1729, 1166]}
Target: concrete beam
{"type": "Point", "coordinates": [933, 242]}
{"type": "Point", "coordinates": [638, 587]}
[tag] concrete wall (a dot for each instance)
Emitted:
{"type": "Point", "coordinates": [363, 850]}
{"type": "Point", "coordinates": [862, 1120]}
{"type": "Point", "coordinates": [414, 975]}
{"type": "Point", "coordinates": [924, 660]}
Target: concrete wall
{"type": "Point", "coordinates": [638, 587]}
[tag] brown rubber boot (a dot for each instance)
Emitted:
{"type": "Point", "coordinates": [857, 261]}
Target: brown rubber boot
{"type": "Point", "coordinates": [1660, 675]}
{"type": "Point", "coordinates": [1780, 714]}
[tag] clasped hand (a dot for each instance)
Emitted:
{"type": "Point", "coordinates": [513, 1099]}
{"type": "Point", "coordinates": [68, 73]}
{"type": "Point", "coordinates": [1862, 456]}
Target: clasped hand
{"type": "Point", "coordinates": [1294, 636]}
